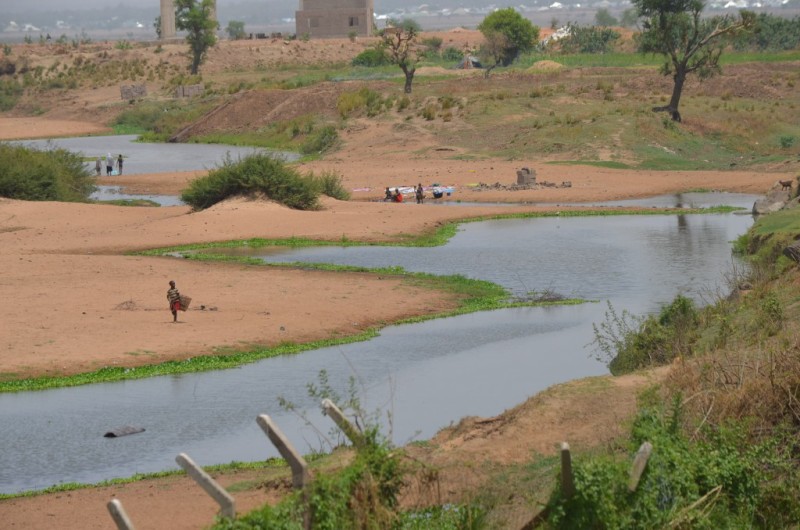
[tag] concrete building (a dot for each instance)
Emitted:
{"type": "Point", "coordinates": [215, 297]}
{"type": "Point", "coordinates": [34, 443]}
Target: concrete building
{"type": "Point", "coordinates": [335, 18]}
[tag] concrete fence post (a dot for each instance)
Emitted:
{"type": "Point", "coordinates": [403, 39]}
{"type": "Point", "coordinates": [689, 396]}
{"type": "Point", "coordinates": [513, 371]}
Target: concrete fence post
{"type": "Point", "coordinates": [117, 512]}
{"type": "Point", "coordinates": [343, 423]}
{"type": "Point", "coordinates": [286, 449]}
{"type": "Point", "coordinates": [639, 463]}
{"type": "Point", "coordinates": [205, 481]}
{"type": "Point", "coordinates": [567, 480]}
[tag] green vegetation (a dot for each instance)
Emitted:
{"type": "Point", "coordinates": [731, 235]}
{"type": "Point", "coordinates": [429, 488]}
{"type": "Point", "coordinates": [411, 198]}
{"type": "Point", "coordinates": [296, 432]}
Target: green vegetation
{"type": "Point", "coordinates": [628, 343]}
{"type": "Point", "coordinates": [158, 121]}
{"type": "Point", "coordinates": [508, 34]}
{"type": "Point", "coordinates": [589, 39]}
{"type": "Point", "coordinates": [688, 42]}
{"type": "Point", "coordinates": [256, 175]}
{"type": "Point", "coordinates": [371, 57]}
{"type": "Point", "coordinates": [43, 175]}
{"type": "Point", "coordinates": [10, 92]}
{"type": "Point", "coordinates": [195, 17]}
{"type": "Point", "coordinates": [724, 452]}
{"type": "Point", "coordinates": [235, 30]}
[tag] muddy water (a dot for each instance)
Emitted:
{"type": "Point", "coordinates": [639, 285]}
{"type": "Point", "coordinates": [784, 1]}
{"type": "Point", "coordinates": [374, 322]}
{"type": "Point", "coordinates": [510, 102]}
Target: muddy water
{"type": "Point", "coordinates": [427, 375]}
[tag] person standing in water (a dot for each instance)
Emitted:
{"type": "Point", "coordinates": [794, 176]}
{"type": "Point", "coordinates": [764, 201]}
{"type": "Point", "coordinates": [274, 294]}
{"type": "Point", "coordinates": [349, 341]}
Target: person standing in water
{"type": "Point", "coordinates": [119, 164]}
{"type": "Point", "coordinates": [109, 164]}
{"type": "Point", "coordinates": [98, 165]}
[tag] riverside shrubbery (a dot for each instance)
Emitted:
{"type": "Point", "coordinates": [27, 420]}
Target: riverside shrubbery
{"type": "Point", "coordinates": [629, 343]}
{"type": "Point", "coordinates": [262, 175]}
{"type": "Point", "coordinates": [43, 175]}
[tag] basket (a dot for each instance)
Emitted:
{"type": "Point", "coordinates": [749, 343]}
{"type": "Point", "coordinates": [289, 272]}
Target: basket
{"type": "Point", "coordinates": [185, 301]}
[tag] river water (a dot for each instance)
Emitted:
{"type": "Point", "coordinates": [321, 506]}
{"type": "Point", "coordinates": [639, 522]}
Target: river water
{"type": "Point", "coordinates": [143, 157]}
{"type": "Point", "coordinates": [426, 375]}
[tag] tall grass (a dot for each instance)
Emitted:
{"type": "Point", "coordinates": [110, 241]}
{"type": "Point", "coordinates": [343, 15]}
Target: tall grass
{"type": "Point", "coordinates": [43, 175]}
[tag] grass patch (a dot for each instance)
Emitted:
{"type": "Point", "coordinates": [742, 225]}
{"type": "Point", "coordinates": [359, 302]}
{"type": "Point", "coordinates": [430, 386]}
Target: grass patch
{"type": "Point", "coordinates": [596, 163]}
{"type": "Point", "coordinates": [130, 202]}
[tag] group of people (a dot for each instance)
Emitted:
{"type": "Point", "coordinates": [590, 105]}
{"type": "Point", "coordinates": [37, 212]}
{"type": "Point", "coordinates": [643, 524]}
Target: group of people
{"type": "Point", "coordinates": [396, 196]}
{"type": "Point", "coordinates": [111, 164]}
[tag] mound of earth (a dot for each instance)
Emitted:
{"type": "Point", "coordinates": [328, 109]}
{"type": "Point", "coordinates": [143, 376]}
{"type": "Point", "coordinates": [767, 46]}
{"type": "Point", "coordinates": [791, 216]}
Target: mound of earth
{"type": "Point", "coordinates": [253, 110]}
{"type": "Point", "coordinates": [545, 66]}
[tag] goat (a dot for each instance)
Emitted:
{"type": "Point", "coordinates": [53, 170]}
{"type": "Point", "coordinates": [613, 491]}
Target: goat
{"type": "Point", "coordinates": [785, 184]}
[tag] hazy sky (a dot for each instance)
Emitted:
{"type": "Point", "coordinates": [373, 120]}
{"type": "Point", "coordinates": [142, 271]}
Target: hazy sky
{"type": "Point", "coordinates": [20, 5]}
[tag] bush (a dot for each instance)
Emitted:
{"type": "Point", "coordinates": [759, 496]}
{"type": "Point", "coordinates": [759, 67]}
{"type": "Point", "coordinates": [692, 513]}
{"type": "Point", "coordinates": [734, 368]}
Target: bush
{"type": "Point", "coordinates": [320, 141]}
{"type": "Point", "coordinates": [707, 485]}
{"type": "Point", "coordinates": [452, 54]}
{"type": "Point", "coordinates": [10, 92]}
{"type": "Point", "coordinates": [330, 184]}
{"type": "Point", "coordinates": [256, 175]}
{"type": "Point", "coordinates": [589, 39]}
{"type": "Point", "coordinates": [350, 102]}
{"type": "Point", "coordinates": [371, 57]}
{"type": "Point", "coordinates": [43, 175]}
{"type": "Point", "coordinates": [629, 343]}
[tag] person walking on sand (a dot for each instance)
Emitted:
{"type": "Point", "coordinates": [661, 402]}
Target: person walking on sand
{"type": "Point", "coordinates": [174, 299]}
{"type": "Point", "coordinates": [109, 164]}
{"type": "Point", "coordinates": [119, 164]}
{"type": "Point", "coordinates": [98, 165]}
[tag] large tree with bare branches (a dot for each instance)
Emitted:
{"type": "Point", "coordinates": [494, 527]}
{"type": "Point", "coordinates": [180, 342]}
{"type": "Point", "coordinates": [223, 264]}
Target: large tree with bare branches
{"type": "Point", "coordinates": [688, 42]}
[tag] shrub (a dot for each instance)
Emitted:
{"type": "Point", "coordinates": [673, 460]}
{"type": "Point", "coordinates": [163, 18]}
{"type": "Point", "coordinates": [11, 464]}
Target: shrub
{"type": "Point", "coordinates": [256, 175]}
{"type": "Point", "coordinates": [452, 54]}
{"type": "Point", "coordinates": [629, 343]}
{"type": "Point", "coordinates": [43, 175]}
{"type": "Point", "coordinates": [320, 140]}
{"type": "Point", "coordinates": [589, 39]}
{"type": "Point", "coordinates": [330, 184]}
{"type": "Point", "coordinates": [709, 485]}
{"type": "Point", "coordinates": [786, 141]}
{"type": "Point", "coordinates": [10, 92]}
{"type": "Point", "coordinates": [371, 57]}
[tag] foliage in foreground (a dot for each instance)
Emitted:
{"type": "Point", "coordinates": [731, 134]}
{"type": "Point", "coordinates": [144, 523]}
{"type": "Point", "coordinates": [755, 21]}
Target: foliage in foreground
{"type": "Point", "coordinates": [718, 482]}
{"type": "Point", "coordinates": [43, 175]}
{"type": "Point", "coordinates": [256, 175]}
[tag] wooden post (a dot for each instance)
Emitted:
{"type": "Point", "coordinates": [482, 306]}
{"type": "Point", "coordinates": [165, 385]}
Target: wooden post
{"type": "Point", "coordinates": [117, 512]}
{"type": "Point", "coordinates": [205, 481]}
{"type": "Point", "coordinates": [639, 463]}
{"type": "Point", "coordinates": [296, 461]}
{"type": "Point", "coordinates": [567, 481]}
{"type": "Point", "coordinates": [344, 424]}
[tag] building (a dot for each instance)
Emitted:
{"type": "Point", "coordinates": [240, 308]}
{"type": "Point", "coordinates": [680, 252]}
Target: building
{"type": "Point", "coordinates": [335, 18]}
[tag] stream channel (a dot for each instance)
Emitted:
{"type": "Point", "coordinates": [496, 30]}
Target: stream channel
{"type": "Point", "coordinates": [427, 375]}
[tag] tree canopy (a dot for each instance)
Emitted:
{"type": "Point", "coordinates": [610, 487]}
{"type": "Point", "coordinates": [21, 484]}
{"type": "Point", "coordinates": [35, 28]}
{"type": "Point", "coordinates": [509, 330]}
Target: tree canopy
{"type": "Point", "coordinates": [196, 17]}
{"type": "Point", "coordinates": [507, 35]}
{"type": "Point", "coordinates": [688, 42]}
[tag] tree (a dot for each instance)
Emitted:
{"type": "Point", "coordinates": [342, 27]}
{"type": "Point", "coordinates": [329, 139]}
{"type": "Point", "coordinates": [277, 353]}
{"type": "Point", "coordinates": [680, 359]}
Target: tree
{"type": "Point", "coordinates": [507, 35]}
{"type": "Point", "coordinates": [235, 30]}
{"type": "Point", "coordinates": [399, 43]}
{"type": "Point", "coordinates": [604, 18]}
{"type": "Point", "coordinates": [196, 17]}
{"type": "Point", "coordinates": [689, 43]}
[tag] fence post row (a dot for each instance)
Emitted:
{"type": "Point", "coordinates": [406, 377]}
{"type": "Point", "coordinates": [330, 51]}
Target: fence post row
{"type": "Point", "coordinates": [117, 512]}
{"type": "Point", "coordinates": [343, 423]}
{"type": "Point", "coordinates": [288, 452]}
{"type": "Point", "coordinates": [217, 492]}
